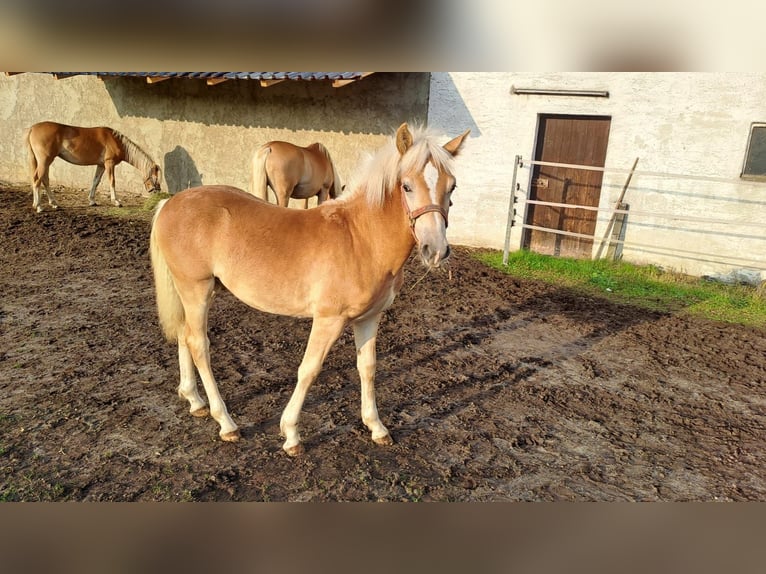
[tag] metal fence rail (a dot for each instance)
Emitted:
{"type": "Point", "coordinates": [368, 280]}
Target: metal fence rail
{"type": "Point", "coordinates": [733, 260]}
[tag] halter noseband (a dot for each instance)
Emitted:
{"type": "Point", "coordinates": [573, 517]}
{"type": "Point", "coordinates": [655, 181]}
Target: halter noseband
{"type": "Point", "coordinates": [413, 215]}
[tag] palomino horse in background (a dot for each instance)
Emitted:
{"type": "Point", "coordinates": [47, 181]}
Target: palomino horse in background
{"type": "Point", "coordinates": [340, 263]}
{"type": "Point", "coordinates": [294, 171]}
{"type": "Point", "coordinates": [102, 147]}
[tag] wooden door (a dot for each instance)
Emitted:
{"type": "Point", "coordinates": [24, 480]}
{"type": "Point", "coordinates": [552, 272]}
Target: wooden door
{"type": "Point", "coordinates": [579, 140]}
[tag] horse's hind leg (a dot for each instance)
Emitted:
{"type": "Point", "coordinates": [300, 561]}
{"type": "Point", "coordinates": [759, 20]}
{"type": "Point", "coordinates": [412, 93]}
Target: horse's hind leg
{"type": "Point", "coordinates": [40, 179]}
{"type": "Point", "coordinates": [48, 192]}
{"type": "Point", "coordinates": [324, 332]}
{"type": "Point", "coordinates": [36, 196]}
{"type": "Point", "coordinates": [283, 196]}
{"type": "Point", "coordinates": [187, 388]}
{"type": "Point", "coordinates": [96, 181]}
{"type": "Point", "coordinates": [365, 335]}
{"type": "Point", "coordinates": [196, 304]}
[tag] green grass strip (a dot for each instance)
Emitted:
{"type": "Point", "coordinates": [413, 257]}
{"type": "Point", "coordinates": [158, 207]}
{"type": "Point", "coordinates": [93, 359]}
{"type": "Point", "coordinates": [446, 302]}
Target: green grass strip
{"type": "Point", "coordinates": [644, 286]}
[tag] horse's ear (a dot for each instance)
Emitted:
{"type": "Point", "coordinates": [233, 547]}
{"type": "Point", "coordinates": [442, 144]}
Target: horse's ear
{"type": "Point", "coordinates": [453, 146]}
{"type": "Point", "coordinates": [403, 138]}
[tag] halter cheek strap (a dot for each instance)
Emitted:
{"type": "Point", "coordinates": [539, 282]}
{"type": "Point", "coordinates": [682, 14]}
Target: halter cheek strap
{"type": "Point", "coordinates": [413, 215]}
{"type": "Point", "coordinates": [153, 187]}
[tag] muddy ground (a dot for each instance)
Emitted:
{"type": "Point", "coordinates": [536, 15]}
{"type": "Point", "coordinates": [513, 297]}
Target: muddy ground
{"type": "Point", "coordinates": [494, 388]}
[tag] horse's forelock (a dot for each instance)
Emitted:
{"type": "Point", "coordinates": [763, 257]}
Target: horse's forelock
{"type": "Point", "coordinates": [425, 150]}
{"type": "Point", "coordinates": [380, 173]}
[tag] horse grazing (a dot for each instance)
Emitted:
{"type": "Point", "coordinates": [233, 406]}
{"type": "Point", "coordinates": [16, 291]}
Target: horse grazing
{"type": "Point", "coordinates": [339, 263]}
{"type": "Point", "coordinates": [294, 171]}
{"type": "Point", "coordinates": [103, 147]}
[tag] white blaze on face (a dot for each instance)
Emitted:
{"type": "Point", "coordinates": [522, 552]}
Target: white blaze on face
{"type": "Point", "coordinates": [431, 175]}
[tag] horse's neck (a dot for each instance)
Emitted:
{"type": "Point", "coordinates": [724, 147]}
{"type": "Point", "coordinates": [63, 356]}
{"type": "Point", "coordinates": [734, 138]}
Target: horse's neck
{"type": "Point", "coordinates": [389, 237]}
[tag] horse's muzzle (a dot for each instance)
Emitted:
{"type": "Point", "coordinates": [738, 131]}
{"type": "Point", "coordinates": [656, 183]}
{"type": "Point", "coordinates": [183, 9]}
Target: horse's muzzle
{"type": "Point", "coordinates": [432, 257]}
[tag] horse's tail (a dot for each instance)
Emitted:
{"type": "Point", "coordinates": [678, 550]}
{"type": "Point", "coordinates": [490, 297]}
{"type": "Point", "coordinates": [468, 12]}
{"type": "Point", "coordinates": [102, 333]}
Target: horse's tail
{"type": "Point", "coordinates": [259, 180]}
{"type": "Point", "coordinates": [31, 157]}
{"type": "Point", "coordinates": [169, 307]}
{"type": "Point", "coordinates": [336, 188]}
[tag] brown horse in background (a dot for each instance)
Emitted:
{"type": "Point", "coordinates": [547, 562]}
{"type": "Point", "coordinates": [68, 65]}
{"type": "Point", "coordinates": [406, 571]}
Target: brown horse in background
{"type": "Point", "coordinates": [101, 146]}
{"type": "Point", "coordinates": [294, 171]}
{"type": "Point", "coordinates": [340, 263]}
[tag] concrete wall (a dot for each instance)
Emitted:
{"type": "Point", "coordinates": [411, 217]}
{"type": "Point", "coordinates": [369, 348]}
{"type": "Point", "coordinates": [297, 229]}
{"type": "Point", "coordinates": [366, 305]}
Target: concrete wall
{"type": "Point", "coordinates": [695, 124]}
{"type": "Point", "coordinates": [206, 134]}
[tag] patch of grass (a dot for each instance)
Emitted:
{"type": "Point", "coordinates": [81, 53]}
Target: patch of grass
{"type": "Point", "coordinates": [31, 488]}
{"type": "Point", "coordinates": [153, 199]}
{"type": "Point", "coordinates": [146, 209]}
{"type": "Point", "coordinates": [645, 286]}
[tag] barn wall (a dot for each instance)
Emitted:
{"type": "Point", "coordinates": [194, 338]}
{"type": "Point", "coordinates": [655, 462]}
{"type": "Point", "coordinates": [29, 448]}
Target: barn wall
{"type": "Point", "coordinates": [206, 134]}
{"type": "Point", "coordinates": [686, 123]}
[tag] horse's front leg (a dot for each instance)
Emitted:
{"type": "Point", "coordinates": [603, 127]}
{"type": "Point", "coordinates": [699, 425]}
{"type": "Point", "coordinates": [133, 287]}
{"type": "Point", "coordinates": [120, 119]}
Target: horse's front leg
{"type": "Point", "coordinates": [365, 336]}
{"type": "Point", "coordinates": [110, 175]}
{"type": "Point", "coordinates": [96, 181]}
{"type": "Point", "coordinates": [324, 332]}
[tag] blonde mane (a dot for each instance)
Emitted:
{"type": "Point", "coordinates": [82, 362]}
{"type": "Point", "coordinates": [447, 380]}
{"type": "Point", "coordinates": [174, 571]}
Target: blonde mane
{"type": "Point", "coordinates": [379, 173]}
{"type": "Point", "coordinates": [134, 155]}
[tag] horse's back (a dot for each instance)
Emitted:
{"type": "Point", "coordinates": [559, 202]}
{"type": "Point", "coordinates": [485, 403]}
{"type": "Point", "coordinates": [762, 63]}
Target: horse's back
{"type": "Point", "coordinates": [48, 133]}
{"type": "Point", "coordinates": [285, 157]}
{"type": "Point", "coordinates": [222, 216]}
{"type": "Point", "coordinates": [229, 212]}
{"type": "Point", "coordinates": [260, 251]}
{"type": "Point", "coordinates": [43, 133]}
{"type": "Point", "coordinates": [284, 148]}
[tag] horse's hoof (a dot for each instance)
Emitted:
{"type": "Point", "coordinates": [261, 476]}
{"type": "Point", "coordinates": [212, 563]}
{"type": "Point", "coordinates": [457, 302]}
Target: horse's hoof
{"type": "Point", "coordinates": [295, 450]}
{"type": "Point", "coordinates": [384, 440]}
{"type": "Point", "coordinates": [39, 209]}
{"type": "Point", "coordinates": [200, 412]}
{"type": "Point", "coordinates": [232, 436]}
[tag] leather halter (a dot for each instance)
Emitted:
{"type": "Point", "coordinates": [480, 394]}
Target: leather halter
{"type": "Point", "coordinates": [154, 187]}
{"type": "Point", "coordinates": [413, 215]}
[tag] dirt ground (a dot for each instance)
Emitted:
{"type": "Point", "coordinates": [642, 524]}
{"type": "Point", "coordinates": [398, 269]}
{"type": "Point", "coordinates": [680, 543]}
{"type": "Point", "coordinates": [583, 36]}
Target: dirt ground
{"type": "Point", "coordinates": [494, 388]}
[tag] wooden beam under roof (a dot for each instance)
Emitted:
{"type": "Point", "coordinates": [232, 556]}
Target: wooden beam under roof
{"type": "Point", "coordinates": [216, 81]}
{"type": "Point", "coordinates": [156, 79]}
{"type": "Point", "coordinates": [269, 83]}
{"type": "Point", "coordinates": [341, 83]}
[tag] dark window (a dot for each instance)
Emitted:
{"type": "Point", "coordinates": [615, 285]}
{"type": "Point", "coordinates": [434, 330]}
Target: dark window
{"type": "Point", "coordinates": [755, 158]}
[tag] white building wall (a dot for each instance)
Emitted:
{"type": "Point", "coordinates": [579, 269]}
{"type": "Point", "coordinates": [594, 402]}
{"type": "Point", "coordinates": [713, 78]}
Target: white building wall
{"type": "Point", "coordinates": [695, 124]}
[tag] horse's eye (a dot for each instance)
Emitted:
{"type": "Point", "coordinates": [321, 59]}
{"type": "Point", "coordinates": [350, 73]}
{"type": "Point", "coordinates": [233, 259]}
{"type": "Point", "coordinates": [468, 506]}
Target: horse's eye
{"type": "Point", "coordinates": [406, 187]}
